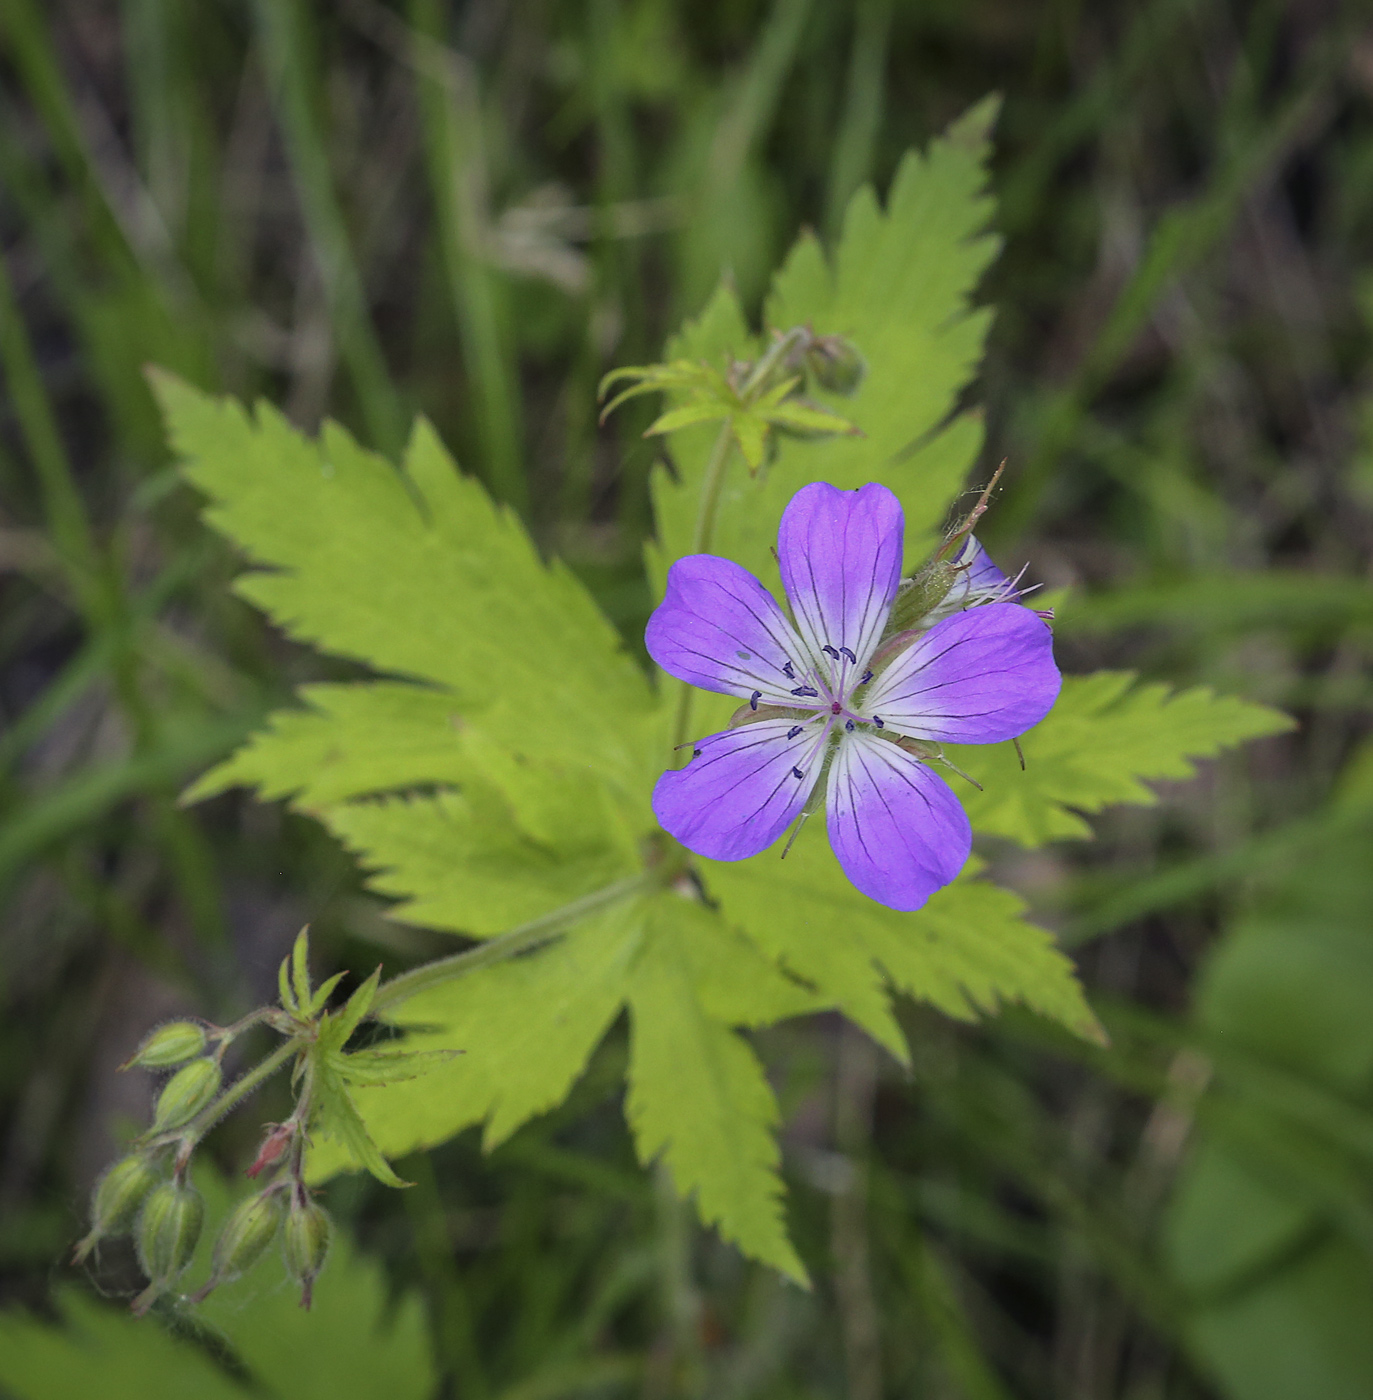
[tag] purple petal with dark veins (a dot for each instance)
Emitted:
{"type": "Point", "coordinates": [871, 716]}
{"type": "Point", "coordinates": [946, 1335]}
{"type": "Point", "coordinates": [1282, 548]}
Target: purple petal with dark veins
{"type": "Point", "coordinates": [978, 577]}
{"type": "Point", "coordinates": [740, 790]}
{"type": "Point", "coordinates": [976, 678]}
{"type": "Point", "coordinates": [898, 831]}
{"type": "Point", "coordinates": [720, 629]}
{"type": "Point", "coordinates": [840, 553]}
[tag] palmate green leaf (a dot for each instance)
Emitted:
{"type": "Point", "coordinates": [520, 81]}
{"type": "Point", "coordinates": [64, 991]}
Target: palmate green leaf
{"type": "Point", "coordinates": [415, 573]}
{"type": "Point", "coordinates": [1100, 742]}
{"type": "Point", "coordinates": [353, 740]}
{"type": "Point", "coordinates": [898, 288]}
{"type": "Point", "coordinates": [968, 950]}
{"type": "Point", "coordinates": [463, 861]}
{"type": "Point", "coordinates": [698, 1096]}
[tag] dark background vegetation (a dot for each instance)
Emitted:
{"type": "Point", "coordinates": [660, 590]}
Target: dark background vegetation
{"type": "Point", "coordinates": [473, 210]}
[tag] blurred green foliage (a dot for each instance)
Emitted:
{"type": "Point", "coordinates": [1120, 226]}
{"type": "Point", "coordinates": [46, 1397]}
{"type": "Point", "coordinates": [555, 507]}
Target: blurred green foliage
{"type": "Point", "coordinates": [475, 211]}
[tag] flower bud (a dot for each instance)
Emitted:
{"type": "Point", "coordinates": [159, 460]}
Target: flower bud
{"type": "Point", "coordinates": [168, 1230]}
{"type": "Point", "coordinates": [244, 1239]}
{"type": "Point", "coordinates": [305, 1242]}
{"type": "Point", "coordinates": [169, 1045]}
{"type": "Point", "coordinates": [187, 1092]}
{"type": "Point", "coordinates": [836, 364]}
{"type": "Point", "coordinates": [116, 1199]}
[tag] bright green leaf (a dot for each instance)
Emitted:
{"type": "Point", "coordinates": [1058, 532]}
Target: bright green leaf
{"type": "Point", "coordinates": [525, 1030]}
{"type": "Point", "coordinates": [353, 740]}
{"type": "Point", "coordinates": [699, 1097]}
{"type": "Point", "coordinates": [1100, 742]}
{"type": "Point", "coordinates": [968, 950]}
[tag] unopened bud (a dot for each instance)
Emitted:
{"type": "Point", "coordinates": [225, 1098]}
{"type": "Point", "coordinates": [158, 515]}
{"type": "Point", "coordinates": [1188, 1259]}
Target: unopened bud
{"type": "Point", "coordinates": [244, 1239]}
{"type": "Point", "coordinates": [116, 1199]}
{"type": "Point", "coordinates": [305, 1243]}
{"type": "Point", "coordinates": [836, 364]}
{"type": "Point", "coordinates": [169, 1045]}
{"type": "Point", "coordinates": [187, 1092]}
{"type": "Point", "coordinates": [169, 1230]}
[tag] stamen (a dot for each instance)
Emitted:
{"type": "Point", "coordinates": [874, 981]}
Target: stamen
{"type": "Point", "coordinates": [696, 753]}
{"type": "Point", "coordinates": [830, 651]}
{"type": "Point", "coordinates": [797, 773]}
{"type": "Point", "coordinates": [754, 699]}
{"type": "Point", "coordinates": [806, 690]}
{"type": "Point", "coordinates": [848, 724]}
{"type": "Point", "coordinates": [850, 655]}
{"type": "Point", "coordinates": [792, 733]}
{"type": "Point", "coordinates": [788, 672]}
{"type": "Point", "coordinates": [878, 722]}
{"type": "Point", "coordinates": [867, 676]}
{"type": "Point", "coordinates": [795, 832]}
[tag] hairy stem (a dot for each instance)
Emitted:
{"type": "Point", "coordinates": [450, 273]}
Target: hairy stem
{"type": "Point", "coordinates": [508, 945]}
{"type": "Point", "coordinates": [710, 490]}
{"type": "Point", "coordinates": [235, 1093]}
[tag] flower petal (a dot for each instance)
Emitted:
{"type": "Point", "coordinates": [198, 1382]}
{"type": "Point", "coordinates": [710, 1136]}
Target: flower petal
{"type": "Point", "coordinates": [978, 577]}
{"type": "Point", "coordinates": [897, 829]}
{"type": "Point", "coordinates": [719, 628]}
{"type": "Point", "coordinates": [740, 790]}
{"type": "Point", "coordinates": [840, 553]}
{"type": "Point", "coordinates": [976, 678]}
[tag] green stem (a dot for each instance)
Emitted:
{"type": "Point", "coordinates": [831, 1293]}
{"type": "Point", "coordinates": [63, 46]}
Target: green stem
{"type": "Point", "coordinates": [508, 945]}
{"type": "Point", "coordinates": [236, 1093]}
{"type": "Point", "coordinates": [711, 487]}
{"type": "Point", "coordinates": [762, 372]}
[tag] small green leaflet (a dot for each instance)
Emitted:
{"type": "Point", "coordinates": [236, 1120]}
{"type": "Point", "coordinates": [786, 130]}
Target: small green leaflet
{"type": "Point", "coordinates": [1103, 736]}
{"type": "Point", "coordinates": [708, 396]}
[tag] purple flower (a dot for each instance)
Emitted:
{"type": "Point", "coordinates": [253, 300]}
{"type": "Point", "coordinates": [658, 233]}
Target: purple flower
{"type": "Point", "coordinates": [825, 707]}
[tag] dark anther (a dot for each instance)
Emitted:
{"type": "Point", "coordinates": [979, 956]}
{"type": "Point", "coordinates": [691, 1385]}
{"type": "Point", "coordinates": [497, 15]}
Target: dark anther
{"type": "Point", "coordinates": [754, 699]}
{"type": "Point", "coordinates": [696, 753]}
{"type": "Point", "coordinates": [792, 733]}
{"type": "Point", "coordinates": [867, 676]}
{"type": "Point", "coordinates": [788, 672]}
{"type": "Point", "coordinates": [830, 651]}
{"type": "Point", "coordinates": [797, 773]}
{"type": "Point", "coordinates": [878, 722]}
{"type": "Point", "coordinates": [848, 724]}
{"type": "Point", "coordinates": [850, 655]}
{"type": "Point", "coordinates": [805, 690]}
